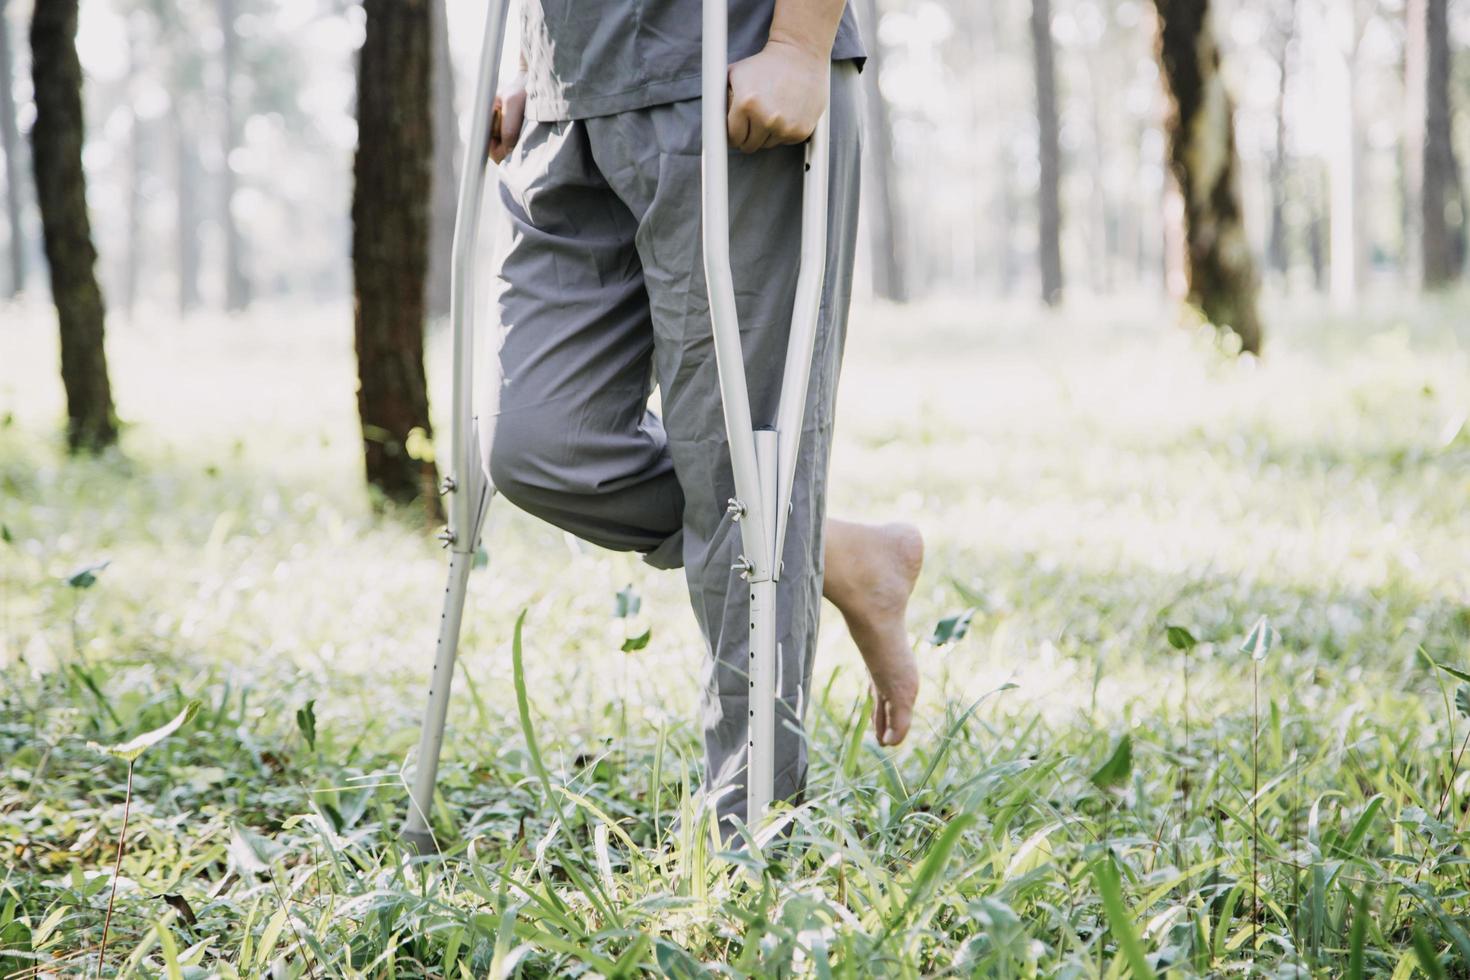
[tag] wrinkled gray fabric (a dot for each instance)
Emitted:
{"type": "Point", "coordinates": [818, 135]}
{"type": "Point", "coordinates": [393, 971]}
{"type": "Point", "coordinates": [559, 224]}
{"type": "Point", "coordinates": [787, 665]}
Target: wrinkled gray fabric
{"type": "Point", "coordinates": [589, 58]}
{"type": "Point", "coordinates": [601, 295]}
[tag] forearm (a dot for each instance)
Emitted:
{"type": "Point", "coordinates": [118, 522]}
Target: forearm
{"type": "Point", "coordinates": [810, 25]}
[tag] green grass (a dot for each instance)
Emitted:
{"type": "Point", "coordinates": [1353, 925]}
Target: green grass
{"type": "Point", "coordinates": [1084, 481]}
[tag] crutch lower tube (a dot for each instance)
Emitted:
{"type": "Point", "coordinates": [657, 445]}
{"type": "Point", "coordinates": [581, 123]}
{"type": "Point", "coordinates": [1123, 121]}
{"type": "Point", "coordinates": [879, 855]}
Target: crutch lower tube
{"type": "Point", "coordinates": [761, 662]}
{"type": "Point", "coordinates": [465, 486]}
{"type": "Point", "coordinates": [763, 460]}
{"type": "Point", "coordinates": [431, 738]}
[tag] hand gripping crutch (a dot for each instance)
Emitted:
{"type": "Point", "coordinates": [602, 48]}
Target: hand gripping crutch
{"type": "Point", "coordinates": [763, 460]}
{"type": "Point", "coordinates": [466, 486]}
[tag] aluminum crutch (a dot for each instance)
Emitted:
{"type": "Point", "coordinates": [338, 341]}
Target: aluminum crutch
{"type": "Point", "coordinates": [466, 486]}
{"type": "Point", "coordinates": [764, 459]}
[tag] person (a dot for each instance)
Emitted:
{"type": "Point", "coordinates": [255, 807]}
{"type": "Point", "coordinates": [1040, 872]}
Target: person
{"type": "Point", "coordinates": [601, 296]}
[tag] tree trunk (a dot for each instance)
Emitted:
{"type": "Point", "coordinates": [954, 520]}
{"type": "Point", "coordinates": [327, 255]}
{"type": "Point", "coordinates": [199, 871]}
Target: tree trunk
{"type": "Point", "coordinates": [446, 166]}
{"type": "Point", "coordinates": [186, 197]}
{"type": "Point", "coordinates": [1443, 212]}
{"type": "Point", "coordinates": [237, 286]}
{"type": "Point", "coordinates": [1220, 272]}
{"type": "Point", "coordinates": [1276, 252]}
{"type": "Point", "coordinates": [1100, 228]}
{"type": "Point", "coordinates": [1317, 231]}
{"type": "Point", "coordinates": [56, 150]}
{"type": "Point", "coordinates": [185, 76]}
{"type": "Point", "coordinates": [133, 260]}
{"type": "Point", "coordinates": [1049, 198]}
{"type": "Point", "coordinates": [390, 221]}
{"type": "Point", "coordinates": [1415, 135]}
{"type": "Point", "coordinates": [885, 220]}
{"type": "Point", "coordinates": [10, 147]}
{"type": "Point", "coordinates": [1347, 253]}
{"type": "Point", "coordinates": [990, 28]}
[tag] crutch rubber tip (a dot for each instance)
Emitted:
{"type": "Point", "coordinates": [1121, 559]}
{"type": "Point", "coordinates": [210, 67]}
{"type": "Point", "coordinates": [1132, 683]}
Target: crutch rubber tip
{"type": "Point", "coordinates": [422, 842]}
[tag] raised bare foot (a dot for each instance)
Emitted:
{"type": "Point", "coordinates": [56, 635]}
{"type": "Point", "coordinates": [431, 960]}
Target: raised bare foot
{"type": "Point", "coordinates": [871, 571]}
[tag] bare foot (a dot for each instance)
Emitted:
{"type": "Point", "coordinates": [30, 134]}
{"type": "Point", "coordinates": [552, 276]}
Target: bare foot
{"type": "Point", "coordinates": [871, 570]}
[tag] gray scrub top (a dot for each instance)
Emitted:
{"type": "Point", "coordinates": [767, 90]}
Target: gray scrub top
{"type": "Point", "coordinates": [589, 58]}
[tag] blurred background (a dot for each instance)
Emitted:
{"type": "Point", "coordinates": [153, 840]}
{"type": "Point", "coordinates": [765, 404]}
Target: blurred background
{"type": "Point", "coordinates": [1008, 138]}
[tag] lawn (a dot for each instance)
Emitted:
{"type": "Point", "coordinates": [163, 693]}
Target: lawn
{"type": "Point", "coordinates": [1086, 793]}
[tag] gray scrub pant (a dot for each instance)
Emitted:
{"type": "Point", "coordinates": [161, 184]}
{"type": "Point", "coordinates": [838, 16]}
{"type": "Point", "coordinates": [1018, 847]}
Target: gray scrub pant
{"type": "Point", "coordinates": [601, 295]}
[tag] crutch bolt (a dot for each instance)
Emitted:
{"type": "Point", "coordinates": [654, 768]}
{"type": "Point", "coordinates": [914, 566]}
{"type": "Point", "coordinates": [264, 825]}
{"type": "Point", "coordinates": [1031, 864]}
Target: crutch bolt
{"type": "Point", "coordinates": [735, 509]}
{"type": "Point", "coordinates": [744, 566]}
{"type": "Point", "coordinates": [446, 538]}
{"type": "Point", "coordinates": [447, 485]}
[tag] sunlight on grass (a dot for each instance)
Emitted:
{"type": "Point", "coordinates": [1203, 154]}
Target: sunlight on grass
{"type": "Point", "coordinates": [1083, 479]}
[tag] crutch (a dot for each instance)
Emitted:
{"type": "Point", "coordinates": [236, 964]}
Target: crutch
{"type": "Point", "coordinates": [466, 487]}
{"type": "Point", "coordinates": [764, 459]}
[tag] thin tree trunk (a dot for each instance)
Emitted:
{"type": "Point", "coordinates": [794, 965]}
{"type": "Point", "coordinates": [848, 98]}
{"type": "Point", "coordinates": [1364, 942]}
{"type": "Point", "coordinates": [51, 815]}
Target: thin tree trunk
{"type": "Point", "coordinates": [390, 220]}
{"type": "Point", "coordinates": [184, 73]}
{"type": "Point", "coordinates": [132, 261]}
{"type": "Point", "coordinates": [446, 166]}
{"type": "Point", "coordinates": [237, 286]}
{"type": "Point", "coordinates": [1219, 268]}
{"type": "Point", "coordinates": [1444, 240]}
{"type": "Point", "coordinates": [1276, 249]}
{"type": "Point", "coordinates": [1317, 232]}
{"type": "Point", "coordinates": [186, 196]}
{"type": "Point", "coordinates": [1049, 198]}
{"type": "Point", "coordinates": [1347, 253]}
{"type": "Point", "coordinates": [1415, 135]}
{"type": "Point", "coordinates": [1100, 244]}
{"type": "Point", "coordinates": [990, 114]}
{"type": "Point", "coordinates": [885, 219]}
{"type": "Point", "coordinates": [56, 150]}
{"type": "Point", "coordinates": [1276, 258]}
{"type": "Point", "coordinates": [10, 146]}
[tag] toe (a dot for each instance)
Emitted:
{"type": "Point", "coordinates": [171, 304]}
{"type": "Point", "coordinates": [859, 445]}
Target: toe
{"type": "Point", "coordinates": [899, 719]}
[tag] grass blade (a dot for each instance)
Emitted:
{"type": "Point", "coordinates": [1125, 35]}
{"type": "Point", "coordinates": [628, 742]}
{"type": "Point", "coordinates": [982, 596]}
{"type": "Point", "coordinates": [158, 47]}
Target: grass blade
{"type": "Point", "coordinates": [1428, 958]}
{"type": "Point", "coordinates": [1359, 936]}
{"type": "Point", "coordinates": [523, 707]}
{"type": "Point", "coordinates": [1108, 885]}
